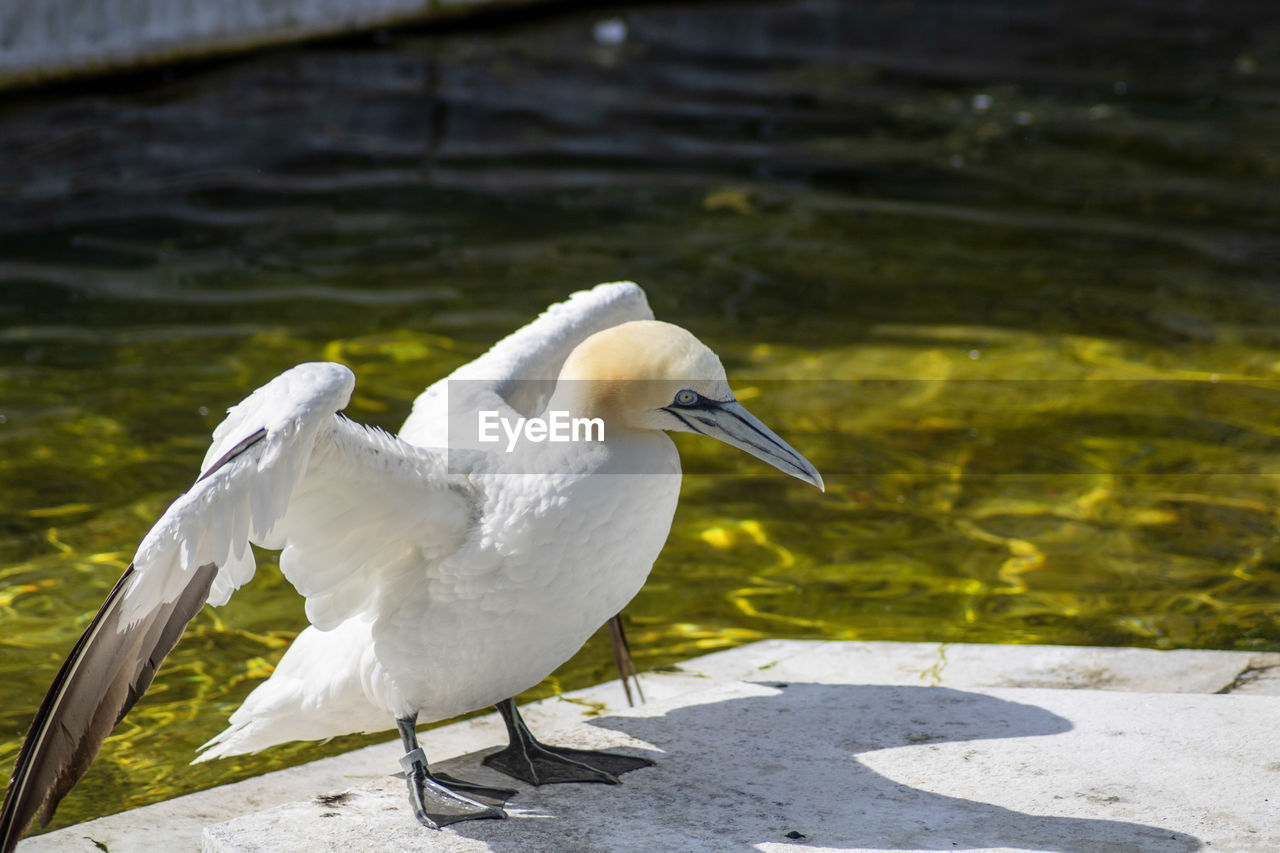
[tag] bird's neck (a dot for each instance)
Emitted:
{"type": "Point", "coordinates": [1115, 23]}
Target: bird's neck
{"type": "Point", "coordinates": [582, 398]}
{"type": "Point", "coordinates": [591, 399]}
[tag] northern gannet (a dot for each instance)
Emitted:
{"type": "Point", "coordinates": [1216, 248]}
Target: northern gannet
{"type": "Point", "coordinates": [441, 574]}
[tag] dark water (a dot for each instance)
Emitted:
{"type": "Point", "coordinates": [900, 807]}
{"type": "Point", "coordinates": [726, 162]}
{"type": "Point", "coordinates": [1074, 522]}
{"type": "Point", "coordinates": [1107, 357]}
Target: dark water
{"type": "Point", "coordinates": [1006, 272]}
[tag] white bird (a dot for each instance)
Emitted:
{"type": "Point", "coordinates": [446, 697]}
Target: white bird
{"type": "Point", "coordinates": [441, 573]}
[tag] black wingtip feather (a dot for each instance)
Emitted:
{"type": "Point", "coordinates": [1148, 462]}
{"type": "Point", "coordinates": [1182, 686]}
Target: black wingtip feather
{"type": "Point", "coordinates": [50, 763]}
{"type": "Point", "coordinates": [108, 670]}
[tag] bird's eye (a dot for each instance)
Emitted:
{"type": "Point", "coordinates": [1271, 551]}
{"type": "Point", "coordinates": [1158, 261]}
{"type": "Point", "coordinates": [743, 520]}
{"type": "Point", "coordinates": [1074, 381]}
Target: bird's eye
{"type": "Point", "coordinates": [686, 398]}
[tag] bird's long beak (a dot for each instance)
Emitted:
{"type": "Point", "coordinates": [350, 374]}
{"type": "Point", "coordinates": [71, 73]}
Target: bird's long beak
{"type": "Point", "coordinates": [733, 424]}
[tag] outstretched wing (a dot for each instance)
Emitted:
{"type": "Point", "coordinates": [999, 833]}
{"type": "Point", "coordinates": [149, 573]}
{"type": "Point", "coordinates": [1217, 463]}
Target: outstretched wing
{"type": "Point", "coordinates": [353, 508]}
{"type": "Point", "coordinates": [519, 372]}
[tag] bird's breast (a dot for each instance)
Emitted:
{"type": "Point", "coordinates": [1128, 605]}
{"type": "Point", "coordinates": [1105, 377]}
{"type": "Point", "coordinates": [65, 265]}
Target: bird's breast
{"type": "Point", "coordinates": [588, 538]}
{"type": "Point", "coordinates": [551, 557]}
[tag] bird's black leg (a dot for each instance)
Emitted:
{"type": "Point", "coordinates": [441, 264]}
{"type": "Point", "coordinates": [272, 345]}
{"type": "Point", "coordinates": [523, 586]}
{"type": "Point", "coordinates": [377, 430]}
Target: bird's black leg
{"type": "Point", "coordinates": [435, 805]}
{"type": "Point", "coordinates": [539, 764]}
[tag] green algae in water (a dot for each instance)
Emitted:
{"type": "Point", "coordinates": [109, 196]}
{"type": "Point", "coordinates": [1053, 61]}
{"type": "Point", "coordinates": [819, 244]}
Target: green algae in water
{"type": "Point", "coordinates": [936, 525]}
{"type": "Point", "coordinates": [1028, 332]}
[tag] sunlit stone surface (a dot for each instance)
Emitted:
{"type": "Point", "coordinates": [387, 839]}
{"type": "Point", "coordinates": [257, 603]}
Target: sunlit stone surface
{"type": "Point", "coordinates": [853, 746]}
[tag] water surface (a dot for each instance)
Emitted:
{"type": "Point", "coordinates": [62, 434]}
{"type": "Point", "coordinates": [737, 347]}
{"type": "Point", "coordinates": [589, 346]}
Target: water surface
{"type": "Point", "coordinates": [1007, 275]}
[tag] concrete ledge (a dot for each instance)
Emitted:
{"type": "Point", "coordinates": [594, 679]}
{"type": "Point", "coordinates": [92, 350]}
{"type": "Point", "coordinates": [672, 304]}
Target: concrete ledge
{"type": "Point", "coordinates": [869, 746]}
{"type": "Point", "coordinates": [43, 40]}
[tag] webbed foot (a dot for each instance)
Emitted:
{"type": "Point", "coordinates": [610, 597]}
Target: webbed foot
{"type": "Point", "coordinates": [528, 760]}
{"type": "Point", "coordinates": [435, 803]}
{"type": "Point", "coordinates": [493, 796]}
